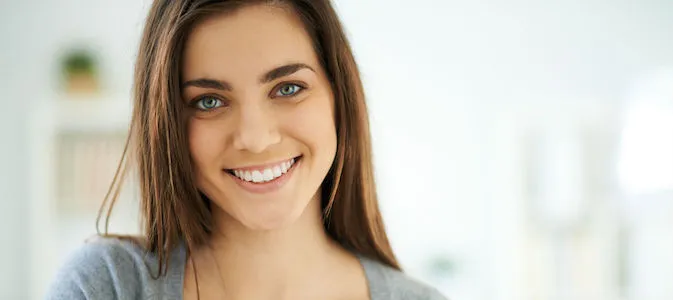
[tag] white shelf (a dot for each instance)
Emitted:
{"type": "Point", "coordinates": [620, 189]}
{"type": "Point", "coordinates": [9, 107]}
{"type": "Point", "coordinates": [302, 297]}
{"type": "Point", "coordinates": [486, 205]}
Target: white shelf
{"type": "Point", "coordinates": [87, 114]}
{"type": "Point", "coordinates": [52, 234]}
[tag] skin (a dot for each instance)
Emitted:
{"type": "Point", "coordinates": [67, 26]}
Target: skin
{"type": "Point", "coordinates": [269, 245]}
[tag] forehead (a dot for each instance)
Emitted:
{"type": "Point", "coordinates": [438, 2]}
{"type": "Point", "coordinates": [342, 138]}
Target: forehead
{"type": "Point", "coordinates": [246, 43]}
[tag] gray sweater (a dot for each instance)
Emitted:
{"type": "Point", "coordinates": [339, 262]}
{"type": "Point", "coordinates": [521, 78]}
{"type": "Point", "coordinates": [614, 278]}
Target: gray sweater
{"type": "Point", "coordinates": [108, 268]}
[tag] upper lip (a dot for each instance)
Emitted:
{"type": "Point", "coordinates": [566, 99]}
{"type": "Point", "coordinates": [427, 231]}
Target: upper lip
{"type": "Point", "coordinates": [262, 166]}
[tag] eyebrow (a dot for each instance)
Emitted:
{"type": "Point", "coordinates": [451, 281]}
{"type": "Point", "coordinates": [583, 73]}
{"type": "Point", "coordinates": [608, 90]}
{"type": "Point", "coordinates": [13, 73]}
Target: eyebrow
{"type": "Point", "coordinates": [269, 76]}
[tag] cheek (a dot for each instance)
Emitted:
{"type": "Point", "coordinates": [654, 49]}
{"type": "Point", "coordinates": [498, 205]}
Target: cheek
{"type": "Point", "coordinates": [204, 139]}
{"type": "Point", "coordinates": [313, 124]}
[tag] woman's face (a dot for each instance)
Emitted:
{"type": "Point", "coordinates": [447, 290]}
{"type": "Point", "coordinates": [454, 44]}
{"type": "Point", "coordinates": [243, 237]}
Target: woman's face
{"type": "Point", "coordinates": [261, 128]}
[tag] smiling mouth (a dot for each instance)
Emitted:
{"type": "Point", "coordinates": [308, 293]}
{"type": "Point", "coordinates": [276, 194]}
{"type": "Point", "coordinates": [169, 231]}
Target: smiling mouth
{"type": "Point", "coordinates": [266, 174]}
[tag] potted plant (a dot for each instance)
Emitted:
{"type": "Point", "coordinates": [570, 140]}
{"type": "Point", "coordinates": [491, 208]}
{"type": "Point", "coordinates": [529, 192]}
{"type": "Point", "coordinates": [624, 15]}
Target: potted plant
{"type": "Point", "coordinates": [80, 72]}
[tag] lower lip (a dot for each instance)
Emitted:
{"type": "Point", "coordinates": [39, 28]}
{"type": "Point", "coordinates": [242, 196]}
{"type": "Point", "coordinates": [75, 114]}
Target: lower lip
{"type": "Point", "coordinates": [269, 186]}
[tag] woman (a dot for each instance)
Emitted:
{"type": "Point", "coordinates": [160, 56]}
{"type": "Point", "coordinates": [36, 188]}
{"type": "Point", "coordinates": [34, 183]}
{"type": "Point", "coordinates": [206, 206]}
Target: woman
{"type": "Point", "coordinates": [252, 145]}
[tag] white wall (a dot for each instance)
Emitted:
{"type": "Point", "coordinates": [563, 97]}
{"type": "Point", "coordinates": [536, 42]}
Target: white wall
{"type": "Point", "coordinates": [13, 186]}
{"type": "Point", "coordinates": [445, 81]}
{"type": "Point", "coordinates": [31, 33]}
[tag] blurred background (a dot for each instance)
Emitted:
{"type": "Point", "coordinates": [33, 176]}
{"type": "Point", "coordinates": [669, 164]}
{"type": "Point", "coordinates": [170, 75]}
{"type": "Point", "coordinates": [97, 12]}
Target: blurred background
{"type": "Point", "coordinates": [523, 149]}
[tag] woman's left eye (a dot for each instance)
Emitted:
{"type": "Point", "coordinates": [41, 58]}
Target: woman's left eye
{"type": "Point", "coordinates": [288, 90]}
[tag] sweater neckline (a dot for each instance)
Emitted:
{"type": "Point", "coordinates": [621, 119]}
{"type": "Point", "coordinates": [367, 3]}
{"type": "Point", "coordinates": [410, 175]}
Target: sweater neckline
{"type": "Point", "coordinates": [176, 273]}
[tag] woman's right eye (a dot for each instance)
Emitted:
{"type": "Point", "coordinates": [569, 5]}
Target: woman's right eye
{"type": "Point", "coordinates": [208, 103]}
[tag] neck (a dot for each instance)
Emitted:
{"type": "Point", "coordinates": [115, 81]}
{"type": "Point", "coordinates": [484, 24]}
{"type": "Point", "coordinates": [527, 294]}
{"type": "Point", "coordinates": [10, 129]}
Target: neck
{"type": "Point", "coordinates": [274, 263]}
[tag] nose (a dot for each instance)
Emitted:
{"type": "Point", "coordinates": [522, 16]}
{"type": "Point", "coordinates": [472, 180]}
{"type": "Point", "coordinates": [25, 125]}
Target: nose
{"type": "Point", "coordinates": [256, 129]}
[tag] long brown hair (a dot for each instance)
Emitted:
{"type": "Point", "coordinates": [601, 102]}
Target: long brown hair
{"type": "Point", "coordinates": [172, 209]}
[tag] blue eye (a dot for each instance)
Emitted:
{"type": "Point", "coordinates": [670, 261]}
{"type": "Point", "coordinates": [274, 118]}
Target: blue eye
{"type": "Point", "coordinates": [288, 90]}
{"type": "Point", "coordinates": [208, 103]}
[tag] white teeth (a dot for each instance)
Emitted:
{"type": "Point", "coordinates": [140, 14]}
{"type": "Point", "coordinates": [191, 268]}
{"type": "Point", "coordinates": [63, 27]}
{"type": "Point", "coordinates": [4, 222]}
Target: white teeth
{"type": "Point", "coordinates": [268, 174]}
{"type": "Point", "coordinates": [277, 171]}
{"type": "Point", "coordinates": [265, 175]}
{"type": "Point", "coordinates": [257, 176]}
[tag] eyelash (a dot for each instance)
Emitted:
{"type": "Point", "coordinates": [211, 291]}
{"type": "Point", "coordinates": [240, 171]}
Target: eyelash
{"type": "Point", "coordinates": [300, 88]}
{"type": "Point", "coordinates": [196, 103]}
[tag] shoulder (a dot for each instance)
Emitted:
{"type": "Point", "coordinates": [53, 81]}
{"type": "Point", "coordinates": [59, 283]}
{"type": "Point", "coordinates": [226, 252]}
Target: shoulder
{"type": "Point", "coordinates": [105, 268]}
{"type": "Point", "coordinates": [108, 252]}
{"type": "Point", "coordinates": [388, 283]}
{"type": "Point", "coordinates": [121, 256]}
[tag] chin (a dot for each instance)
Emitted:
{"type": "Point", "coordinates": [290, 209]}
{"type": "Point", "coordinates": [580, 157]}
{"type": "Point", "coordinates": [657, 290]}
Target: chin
{"type": "Point", "coordinates": [268, 219]}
